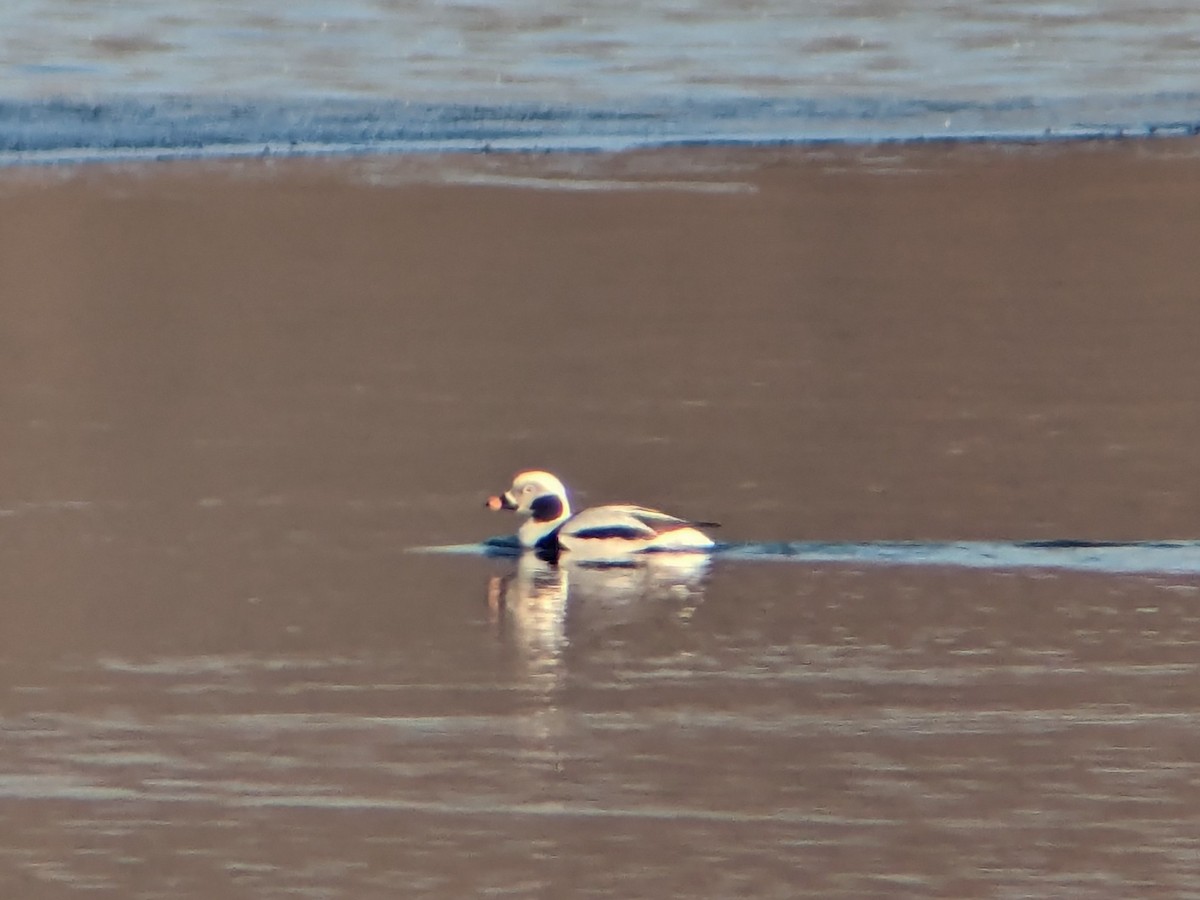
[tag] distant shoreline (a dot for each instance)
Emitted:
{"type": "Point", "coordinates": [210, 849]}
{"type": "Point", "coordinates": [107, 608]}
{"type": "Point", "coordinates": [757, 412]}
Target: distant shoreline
{"type": "Point", "coordinates": [70, 131]}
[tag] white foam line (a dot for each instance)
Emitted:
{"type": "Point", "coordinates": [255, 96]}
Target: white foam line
{"type": "Point", "coordinates": [599, 184]}
{"type": "Point", "coordinates": [554, 810]}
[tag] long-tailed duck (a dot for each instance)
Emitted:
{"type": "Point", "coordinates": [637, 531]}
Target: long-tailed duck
{"type": "Point", "coordinates": [597, 532]}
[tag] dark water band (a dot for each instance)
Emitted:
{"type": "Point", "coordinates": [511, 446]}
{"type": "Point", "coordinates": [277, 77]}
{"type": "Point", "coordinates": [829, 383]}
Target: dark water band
{"type": "Point", "coordinates": [173, 127]}
{"type": "Point", "coordinates": [1150, 557]}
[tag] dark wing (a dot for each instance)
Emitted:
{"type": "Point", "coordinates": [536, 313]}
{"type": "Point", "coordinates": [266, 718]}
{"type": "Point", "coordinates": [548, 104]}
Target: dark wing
{"type": "Point", "coordinates": [613, 532]}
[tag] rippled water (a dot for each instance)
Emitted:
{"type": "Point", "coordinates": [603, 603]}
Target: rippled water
{"type": "Point", "coordinates": [80, 82]}
{"type": "Point", "coordinates": [237, 396]}
{"type": "Point", "coordinates": [803, 732]}
{"type": "Point", "coordinates": [579, 52]}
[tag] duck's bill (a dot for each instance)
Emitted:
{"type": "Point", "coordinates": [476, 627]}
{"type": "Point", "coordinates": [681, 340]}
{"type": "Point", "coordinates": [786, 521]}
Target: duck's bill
{"type": "Point", "coordinates": [500, 501]}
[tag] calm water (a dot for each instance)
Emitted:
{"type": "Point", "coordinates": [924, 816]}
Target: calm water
{"type": "Point", "coordinates": [236, 396]}
{"type": "Point", "coordinates": [579, 52]}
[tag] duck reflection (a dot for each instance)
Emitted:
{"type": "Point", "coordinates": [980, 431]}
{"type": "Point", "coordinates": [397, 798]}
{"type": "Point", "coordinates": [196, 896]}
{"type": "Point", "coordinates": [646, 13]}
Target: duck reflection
{"type": "Point", "coordinates": [541, 606]}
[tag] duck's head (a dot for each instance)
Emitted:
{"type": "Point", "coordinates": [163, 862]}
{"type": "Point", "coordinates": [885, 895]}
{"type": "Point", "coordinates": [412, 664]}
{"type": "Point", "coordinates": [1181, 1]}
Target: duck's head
{"type": "Point", "coordinates": [537, 495]}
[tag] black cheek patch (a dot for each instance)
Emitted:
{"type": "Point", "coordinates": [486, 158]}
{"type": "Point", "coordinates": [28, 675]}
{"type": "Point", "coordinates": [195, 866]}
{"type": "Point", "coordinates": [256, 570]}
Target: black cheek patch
{"type": "Point", "coordinates": [546, 509]}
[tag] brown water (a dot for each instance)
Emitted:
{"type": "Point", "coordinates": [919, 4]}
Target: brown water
{"type": "Point", "coordinates": [235, 396]}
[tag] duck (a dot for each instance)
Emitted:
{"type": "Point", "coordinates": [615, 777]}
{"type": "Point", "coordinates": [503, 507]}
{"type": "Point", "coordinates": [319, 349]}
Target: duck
{"type": "Point", "coordinates": [598, 532]}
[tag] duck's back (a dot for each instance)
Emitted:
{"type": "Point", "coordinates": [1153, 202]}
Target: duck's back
{"type": "Point", "coordinates": [623, 529]}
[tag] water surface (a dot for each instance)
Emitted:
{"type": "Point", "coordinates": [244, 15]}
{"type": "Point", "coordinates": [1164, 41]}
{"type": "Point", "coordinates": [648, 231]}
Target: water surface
{"type": "Point", "coordinates": [80, 82]}
{"type": "Point", "coordinates": [235, 397]}
{"type": "Point", "coordinates": [580, 52]}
